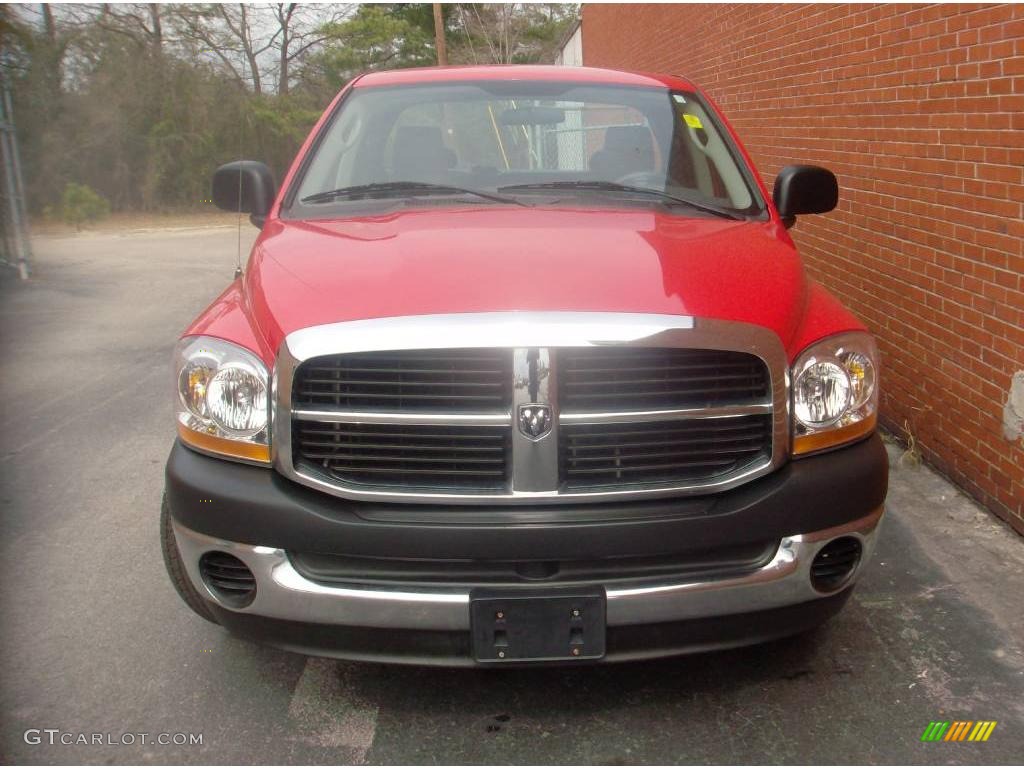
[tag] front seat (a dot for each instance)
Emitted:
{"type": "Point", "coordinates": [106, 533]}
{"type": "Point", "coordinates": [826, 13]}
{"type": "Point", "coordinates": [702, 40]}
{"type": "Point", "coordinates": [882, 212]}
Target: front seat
{"type": "Point", "coordinates": [627, 149]}
{"type": "Point", "coordinates": [420, 155]}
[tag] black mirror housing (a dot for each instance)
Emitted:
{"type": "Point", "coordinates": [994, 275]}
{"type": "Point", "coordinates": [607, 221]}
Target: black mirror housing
{"type": "Point", "coordinates": [245, 186]}
{"type": "Point", "coordinates": [803, 189]}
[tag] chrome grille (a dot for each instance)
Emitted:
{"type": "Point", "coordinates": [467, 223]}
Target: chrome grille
{"type": "Point", "coordinates": [633, 406]}
{"type": "Point", "coordinates": [624, 378]}
{"type": "Point", "coordinates": [434, 456]}
{"type": "Point", "coordinates": [442, 379]}
{"type": "Point", "coordinates": [663, 451]}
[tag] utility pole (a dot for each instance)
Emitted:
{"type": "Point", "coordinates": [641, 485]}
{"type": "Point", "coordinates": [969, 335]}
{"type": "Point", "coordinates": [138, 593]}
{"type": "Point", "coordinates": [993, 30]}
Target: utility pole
{"type": "Point", "coordinates": [442, 48]}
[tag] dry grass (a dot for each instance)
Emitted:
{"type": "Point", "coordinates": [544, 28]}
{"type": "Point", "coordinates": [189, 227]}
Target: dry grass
{"type": "Point", "coordinates": [124, 222]}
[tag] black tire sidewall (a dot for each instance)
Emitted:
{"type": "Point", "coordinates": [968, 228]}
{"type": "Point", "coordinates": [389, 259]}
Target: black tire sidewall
{"type": "Point", "coordinates": [176, 567]}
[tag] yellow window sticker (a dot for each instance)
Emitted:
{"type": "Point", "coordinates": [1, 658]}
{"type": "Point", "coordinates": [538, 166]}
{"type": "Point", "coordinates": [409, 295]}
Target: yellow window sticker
{"type": "Point", "coordinates": [693, 121]}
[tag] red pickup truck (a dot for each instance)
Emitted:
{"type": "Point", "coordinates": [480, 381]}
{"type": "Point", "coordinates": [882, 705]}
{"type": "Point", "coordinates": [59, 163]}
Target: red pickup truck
{"type": "Point", "coordinates": [523, 368]}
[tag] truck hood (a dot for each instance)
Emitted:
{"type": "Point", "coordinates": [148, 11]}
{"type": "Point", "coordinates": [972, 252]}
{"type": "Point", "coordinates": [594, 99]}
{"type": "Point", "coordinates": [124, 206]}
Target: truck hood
{"type": "Point", "coordinates": [430, 261]}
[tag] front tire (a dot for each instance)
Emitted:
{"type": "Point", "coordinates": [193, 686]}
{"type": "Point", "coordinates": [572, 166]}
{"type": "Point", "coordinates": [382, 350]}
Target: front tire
{"type": "Point", "coordinates": [176, 568]}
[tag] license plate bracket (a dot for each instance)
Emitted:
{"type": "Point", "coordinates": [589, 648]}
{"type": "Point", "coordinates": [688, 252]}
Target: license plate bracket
{"type": "Point", "coordinates": [520, 626]}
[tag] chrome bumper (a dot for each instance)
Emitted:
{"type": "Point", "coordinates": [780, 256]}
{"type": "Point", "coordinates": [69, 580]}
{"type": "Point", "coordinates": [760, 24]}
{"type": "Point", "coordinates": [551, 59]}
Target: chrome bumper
{"type": "Point", "coordinates": [283, 593]}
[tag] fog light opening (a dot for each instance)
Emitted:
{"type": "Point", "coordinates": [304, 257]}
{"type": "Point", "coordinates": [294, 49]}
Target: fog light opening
{"type": "Point", "coordinates": [228, 578]}
{"type": "Point", "coordinates": [835, 563]}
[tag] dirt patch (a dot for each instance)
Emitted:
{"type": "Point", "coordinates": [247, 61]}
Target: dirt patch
{"type": "Point", "coordinates": [972, 546]}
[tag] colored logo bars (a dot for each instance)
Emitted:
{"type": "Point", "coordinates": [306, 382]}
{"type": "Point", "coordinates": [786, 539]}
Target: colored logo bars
{"type": "Point", "coordinates": [959, 730]}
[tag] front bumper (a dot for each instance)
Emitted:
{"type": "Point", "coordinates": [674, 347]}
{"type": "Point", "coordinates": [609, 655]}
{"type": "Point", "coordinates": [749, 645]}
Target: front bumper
{"type": "Point", "coordinates": [822, 498]}
{"type": "Point", "coordinates": [285, 594]}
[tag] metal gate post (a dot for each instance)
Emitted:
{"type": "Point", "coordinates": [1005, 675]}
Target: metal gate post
{"type": "Point", "coordinates": [14, 184]}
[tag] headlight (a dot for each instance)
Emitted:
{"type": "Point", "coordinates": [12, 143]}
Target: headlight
{"type": "Point", "coordinates": [223, 399]}
{"type": "Point", "coordinates": [835, 392]}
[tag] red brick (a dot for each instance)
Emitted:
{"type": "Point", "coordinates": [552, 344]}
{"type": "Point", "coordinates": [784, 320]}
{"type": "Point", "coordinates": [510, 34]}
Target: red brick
{"type": "Point", "coordinates": [920, 111]}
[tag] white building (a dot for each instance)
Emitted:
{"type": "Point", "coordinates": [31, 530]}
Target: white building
{"type": "Point", "coordinates": [571, 52]}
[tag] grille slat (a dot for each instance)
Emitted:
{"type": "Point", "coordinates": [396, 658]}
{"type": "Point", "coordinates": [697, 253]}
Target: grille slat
{"type": "Point", "coordinates": [457, 458]}
{"type": "Point", "coordinates": [354, 429]}
{"type": "Point", "coordinates": [436, 457]}
{"type": "Point", "coordinates": [666, 454]}
{"type": "Point", "coordinates": [385, 446]}
{"type": "Point", "coordinates": [750, 442]}
{"type": "Point", "coordinates": [593, 378]}
{"type": "Point", "coordinates": [431, 380]}
{"type": "Point", "coordinates": [692, 451]}
{"type": "Point", "coordinates": [335, 457]}
{"type": "Point", "coordinates": [661, 467]}
{"type": "Point", "coordinates": [675, 436]}
{"type": "Point", "coordinates": [667, 380]}
{"type": "Point", "coordinates": [330, 373]}
{"type": "Point", "coordinates": [692, 426]}
{"type": "Point", "coordinates": [346, 469]}
{"type": "Point", "coordinates": [401, 398]}
{"type": "Point", "coordinates": [228, 578]}
{"type": "Point", "coordinates": [238, 581]}
{"type": "Point", "coordinates": [575, 368]}
{"type": "Point", "coordinates": [637, 393]}
{"type": "Point", "coordinates": [835, 562]}
{"type": "Point", "coordinates": [392, 382]}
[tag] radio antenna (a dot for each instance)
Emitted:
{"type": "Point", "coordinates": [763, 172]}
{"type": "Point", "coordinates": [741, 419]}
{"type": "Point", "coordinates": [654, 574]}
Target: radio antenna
{"type": "Point", "coordinates": [241, 129]}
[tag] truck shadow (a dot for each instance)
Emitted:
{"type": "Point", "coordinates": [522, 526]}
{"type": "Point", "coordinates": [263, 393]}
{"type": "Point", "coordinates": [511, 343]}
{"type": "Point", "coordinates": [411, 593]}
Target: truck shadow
{"type": "Point", "coordinates": [549, 692]}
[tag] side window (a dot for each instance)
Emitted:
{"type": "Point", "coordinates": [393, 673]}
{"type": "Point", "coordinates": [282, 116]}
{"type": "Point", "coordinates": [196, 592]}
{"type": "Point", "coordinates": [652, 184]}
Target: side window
{"type": "Point", "coordinates": [339, 154]}
{"type": "Point", "coordinates": [701, 160]}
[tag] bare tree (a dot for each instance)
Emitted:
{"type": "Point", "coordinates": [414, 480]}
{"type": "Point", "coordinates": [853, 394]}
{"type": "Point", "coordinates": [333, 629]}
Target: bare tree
{"type": "Point", "coordinates": [157, 34]}
{"type": "Point", "coordinates": [506, 33]}
{"type": "Point", "coordinates": [48, 24]}
{"type": "Point", "coordinates": [495, 26]}
{"type": "Point", "coordinates": [257, 43]}
{"type": "Point", "coordinates": [301, 27]}
{"type": "Point", "coordinates": [284, 12]}
{"type": "Point", "coordinates": [227, 32]}
{"type": "Point", "coordinates": [238, 21]}
{"type": "Point", "coordinates": [139, 22]}
{"type": "Point", "coordinates": [19, 34]}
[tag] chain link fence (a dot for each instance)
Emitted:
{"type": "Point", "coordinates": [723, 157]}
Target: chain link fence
{"type": "Point", "coordinates": [15, 247]}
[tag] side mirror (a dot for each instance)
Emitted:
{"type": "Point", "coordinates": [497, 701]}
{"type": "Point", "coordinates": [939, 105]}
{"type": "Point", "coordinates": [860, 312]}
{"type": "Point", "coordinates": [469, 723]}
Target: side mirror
{"type": "Point", "coordinates": [801, 189]}
{"type": "Point", "coordinates": [245, 186]}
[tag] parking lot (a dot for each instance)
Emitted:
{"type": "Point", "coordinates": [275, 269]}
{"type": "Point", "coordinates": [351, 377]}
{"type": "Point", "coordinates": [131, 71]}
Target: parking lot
{"type": "Point", "coordinates": [94, 639]}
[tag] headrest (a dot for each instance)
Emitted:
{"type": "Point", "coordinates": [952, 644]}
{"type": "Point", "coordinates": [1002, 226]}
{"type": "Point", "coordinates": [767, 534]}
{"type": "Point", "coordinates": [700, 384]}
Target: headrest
{"type": "Point", "coordinates": [420, 154]}
{"type": "Point", "coordinates": [624, 138]}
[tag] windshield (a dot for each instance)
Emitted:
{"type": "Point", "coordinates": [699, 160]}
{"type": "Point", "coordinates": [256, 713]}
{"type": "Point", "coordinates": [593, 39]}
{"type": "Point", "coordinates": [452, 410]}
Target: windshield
{"type": "Point", "coordinates": [525, 141]}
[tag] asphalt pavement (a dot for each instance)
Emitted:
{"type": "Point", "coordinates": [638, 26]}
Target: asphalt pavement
{"type": "Point", "coordinates": [94, 641]}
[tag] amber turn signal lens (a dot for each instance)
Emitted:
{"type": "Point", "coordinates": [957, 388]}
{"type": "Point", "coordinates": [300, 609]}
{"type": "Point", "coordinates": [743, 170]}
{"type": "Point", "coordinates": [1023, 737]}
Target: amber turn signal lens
{"type": "Point", "coordinates": [224, 447]}
{"type": "Point", "coordinates": [820, 441]}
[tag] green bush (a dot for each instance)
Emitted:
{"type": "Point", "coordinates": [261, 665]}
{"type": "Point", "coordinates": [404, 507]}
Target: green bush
{"type": "Point", "coordinates": [81, 203]}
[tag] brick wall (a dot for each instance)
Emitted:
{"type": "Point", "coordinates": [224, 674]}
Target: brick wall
{"type": "Point", "coordinates": [919, 110]}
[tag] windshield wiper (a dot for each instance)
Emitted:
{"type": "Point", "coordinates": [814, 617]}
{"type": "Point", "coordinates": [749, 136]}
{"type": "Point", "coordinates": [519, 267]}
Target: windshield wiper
{"type": "Point", "coordinates": [386, 189]}
{"type": "Point", "coordinates": [612, 186]}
